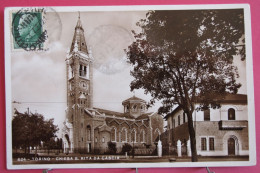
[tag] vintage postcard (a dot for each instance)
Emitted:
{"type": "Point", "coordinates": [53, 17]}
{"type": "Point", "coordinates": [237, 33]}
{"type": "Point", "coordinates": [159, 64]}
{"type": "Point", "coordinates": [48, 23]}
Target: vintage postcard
{"type": "Point", "coordinates": [129, 86]}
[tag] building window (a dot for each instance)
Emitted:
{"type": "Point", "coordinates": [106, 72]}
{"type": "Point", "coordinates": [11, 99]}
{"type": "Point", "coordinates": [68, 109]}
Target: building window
{"type": "Point", "coordinates": [157, 134]}
{"type": "Point", "coordinates": [135, 108]}
{"type": "Point", "coordinates": [82, 70]}
{"type": "Point", "coordinates": [203, 144]}
{"type": "Point", "coordinates": [183, 117]}
{"type": "Point", "coordinates": [207, 115]}
{"type": "Point", "coordinates": [142, 107]}
{"type": "Point", "coordinates": [231, 114]}
{"type": "Point", "coordinates": [211, 144]}
{"type": "Point", "coordinates": [142, 136]}
{"type": "Point", "coordinates": [103, 139]}
{"type": "Point", "coordinates": [124, 135]}
{"type": "Point", "coordinates": [96, 139]}
{"type": "Point", "coordinates": [88, 133]}
{"type": "Point", "coordinates": [113, 134]}
{"type": "Point", "coordinates": [179, 120]}
{"type": "Point", "coordinates": [134, 135]}
{"type": "Point", "coordinates": [173, 122]}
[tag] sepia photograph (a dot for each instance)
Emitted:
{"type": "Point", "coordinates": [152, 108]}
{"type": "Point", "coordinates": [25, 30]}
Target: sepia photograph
{"type": "Point", "coordinates": [129, 86]}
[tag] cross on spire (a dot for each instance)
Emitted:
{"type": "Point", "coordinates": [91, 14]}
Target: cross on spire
{"type": "Point", "coordinates": [79, 25]}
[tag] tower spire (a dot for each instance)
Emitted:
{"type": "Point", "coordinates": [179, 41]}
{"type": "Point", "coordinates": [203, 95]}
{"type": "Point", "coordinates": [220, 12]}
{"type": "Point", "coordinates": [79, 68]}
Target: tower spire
{"type": "Point", "coordinates": [79, 37]}
{"type": "Point", "coordinates": [79, 25]}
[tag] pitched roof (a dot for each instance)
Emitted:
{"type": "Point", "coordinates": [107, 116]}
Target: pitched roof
{"type": "Point", "coordinates": [144, 116]}
{"type": "Point", "coordinates": [173, 112]}
{"type": "Point", "coordinates": [108, 112]}
{"type": "Point", "coordinates": [235, 98]}
{"type": "Point", "coordinates": [229, 98]}
{"type": "Point", "coordinates": [134, 98]}
{"type": "Point", "coordinates": [122, 115]}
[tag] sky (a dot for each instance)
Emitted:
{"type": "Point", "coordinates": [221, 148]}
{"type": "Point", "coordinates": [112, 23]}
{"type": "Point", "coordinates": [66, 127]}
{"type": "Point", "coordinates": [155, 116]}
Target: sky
{"type": "Point", "coordinates": [39, 78]}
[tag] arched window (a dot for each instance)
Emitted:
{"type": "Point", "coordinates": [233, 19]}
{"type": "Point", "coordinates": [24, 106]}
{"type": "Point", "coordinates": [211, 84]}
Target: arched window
{"type": "Point", "coordinates": [133, 135]}
{"type": "Point", "coordinates": [142, 107]}
{"type": "Point", "coordinates": [124, 135]}
{"type": "Point", "coordinates": [157, 134]}
{"type": "Point", "coordinates": [179, 120]}
{"type": "Point", "coordinates": [88, 133]}
{"type": "Point", "coordinates": [113, 134]}
{"type": "Point", "coordinates": [142, 135]}
{"type": "Point", "coordinates": [184, 117]}
{"type": "Point", "coordinates": [82, 70]}
{"type": "Point", "coordinates": [231, 114]}
{"type": "Point", "coordinates": [127, 108]}
{"type": "Point", "coordinates": [134, 108]}
{"type": "Point", "coordinates": [207, 115]}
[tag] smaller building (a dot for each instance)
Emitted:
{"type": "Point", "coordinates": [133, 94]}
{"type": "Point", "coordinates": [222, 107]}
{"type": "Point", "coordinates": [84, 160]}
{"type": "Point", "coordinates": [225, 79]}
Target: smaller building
{"type": "Point", "coordinates": [219, 132]}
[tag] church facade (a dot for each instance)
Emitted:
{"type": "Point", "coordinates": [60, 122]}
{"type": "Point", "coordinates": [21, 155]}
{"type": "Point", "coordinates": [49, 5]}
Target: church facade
{"type": "Point", "coordinates": [88, 129]}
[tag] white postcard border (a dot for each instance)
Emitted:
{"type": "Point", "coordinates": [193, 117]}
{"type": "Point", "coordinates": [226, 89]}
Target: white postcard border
{"type": "Point", "coordinates": [250, 90]}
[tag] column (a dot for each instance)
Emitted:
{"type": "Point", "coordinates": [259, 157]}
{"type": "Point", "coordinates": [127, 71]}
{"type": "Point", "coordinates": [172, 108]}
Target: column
{"type": "Point", "coordinates": [159, 148]}
{"type": "Point", "coordinates": [179, 148]}
{"type": "Point", "coordinates": [188, 148]}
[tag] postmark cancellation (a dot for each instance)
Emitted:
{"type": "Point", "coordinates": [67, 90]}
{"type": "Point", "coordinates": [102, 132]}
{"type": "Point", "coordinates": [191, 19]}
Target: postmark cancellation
{"type": "Point", "coordinates": [28, 31]}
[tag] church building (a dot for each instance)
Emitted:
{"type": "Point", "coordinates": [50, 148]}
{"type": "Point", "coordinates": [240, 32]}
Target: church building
{"type": "Point", "coordinates": [88, 129]}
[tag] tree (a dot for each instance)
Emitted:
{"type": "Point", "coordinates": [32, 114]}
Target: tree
{"type": "Point", "coordinates": [30, 129]}
{"type": "Point", "coordinates": [50, 144]}
{"type": "Point", "coordinates": [182, 57]}
{"type": "Point", "coordinates": [20, 131]}
{"type": "Point", "coordinates": [112, 147]}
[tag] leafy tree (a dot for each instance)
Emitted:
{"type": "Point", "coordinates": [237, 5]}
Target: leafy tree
{"type": "Point", "coordinates": [30, 129]}
{"type": "Point", "coordinates": [20, 131]}
{"type": "Point", "coordinates": [182, 57]}
{"type": "Point", "coordinates": [50, 144]}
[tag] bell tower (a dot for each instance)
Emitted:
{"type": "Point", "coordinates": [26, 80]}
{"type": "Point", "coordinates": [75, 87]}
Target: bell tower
{"type": "Point", "coordinates": [79, 67]}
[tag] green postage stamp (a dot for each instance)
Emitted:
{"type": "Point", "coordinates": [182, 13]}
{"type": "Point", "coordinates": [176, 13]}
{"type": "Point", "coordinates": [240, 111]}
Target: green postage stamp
{"type": "Point", "coordinates": [27, 29]}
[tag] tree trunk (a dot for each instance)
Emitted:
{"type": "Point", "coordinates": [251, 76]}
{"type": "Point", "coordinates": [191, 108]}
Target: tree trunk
{"type": "Point", "coordinates": [194, 156]}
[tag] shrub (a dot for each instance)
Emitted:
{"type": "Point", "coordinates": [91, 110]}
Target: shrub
{"type": "Point", "coordinates": [112, 147]}
{"type": "Point", "coordinates": [126, 148]}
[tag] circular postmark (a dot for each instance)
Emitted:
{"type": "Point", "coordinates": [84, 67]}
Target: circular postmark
{"type": "Point", "coordinates": [109, 43]}
{"type": "Point", "coordinates": [53, 25]}
{"type": "Point", "coordinates": [27, 29]}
